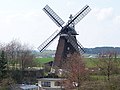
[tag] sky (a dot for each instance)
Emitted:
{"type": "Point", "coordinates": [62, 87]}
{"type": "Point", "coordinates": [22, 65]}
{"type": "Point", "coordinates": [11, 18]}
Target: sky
{"type": "Point", "coordinates": [25, 21]}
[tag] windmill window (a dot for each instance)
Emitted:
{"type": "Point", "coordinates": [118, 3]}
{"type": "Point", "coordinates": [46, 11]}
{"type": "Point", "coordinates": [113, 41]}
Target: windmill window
{"type": "Point", "coordinates": [68, 48]}
{"type": "Point", "coordinates": [46, 84]}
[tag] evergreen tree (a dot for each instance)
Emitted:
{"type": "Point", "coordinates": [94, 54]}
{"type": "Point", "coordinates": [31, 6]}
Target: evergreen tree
{"type": "Point", "coordinates": [3, 65]}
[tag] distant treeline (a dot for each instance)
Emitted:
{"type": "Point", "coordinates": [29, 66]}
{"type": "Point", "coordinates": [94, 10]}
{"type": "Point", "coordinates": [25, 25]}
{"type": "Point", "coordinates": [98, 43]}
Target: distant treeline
{"type": "Point", "coordinates": [98, 50]}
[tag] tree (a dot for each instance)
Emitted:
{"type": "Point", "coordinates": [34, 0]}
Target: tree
{"type": "Point", "coordinates": [27, 59]}
{"type": "Point", "coordinates": [74, 71]}
{"type": "Point", "coordinates": [3, 65]}
{"type": "Point", "coordinates": [19, 55]}
{"type": "Point", "coordinates": [13, 53]}
{"type": "Point", "coordinates": [108, 64]}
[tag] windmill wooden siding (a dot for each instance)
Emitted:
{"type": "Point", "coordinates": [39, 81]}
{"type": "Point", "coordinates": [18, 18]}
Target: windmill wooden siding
{"type": "Point", "coordinates": [59, 52]}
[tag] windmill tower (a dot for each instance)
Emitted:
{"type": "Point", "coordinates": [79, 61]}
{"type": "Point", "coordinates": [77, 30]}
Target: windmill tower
{"type": "Point", "coordinates": [67, 43]}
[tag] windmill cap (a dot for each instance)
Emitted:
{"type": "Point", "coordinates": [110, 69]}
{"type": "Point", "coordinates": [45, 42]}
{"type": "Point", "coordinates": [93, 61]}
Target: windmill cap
{"type": "Point", "coordinates": [72, 31]}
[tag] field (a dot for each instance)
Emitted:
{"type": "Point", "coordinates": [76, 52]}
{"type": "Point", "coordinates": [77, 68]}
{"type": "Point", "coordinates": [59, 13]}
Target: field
{"type": "Point", "coordinates": [89, 62]}
{"type": "Point", "coordinates": [43, 60]}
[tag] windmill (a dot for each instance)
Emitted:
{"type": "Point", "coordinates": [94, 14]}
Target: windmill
{"type": "Point", "coordinates": [67, 43]}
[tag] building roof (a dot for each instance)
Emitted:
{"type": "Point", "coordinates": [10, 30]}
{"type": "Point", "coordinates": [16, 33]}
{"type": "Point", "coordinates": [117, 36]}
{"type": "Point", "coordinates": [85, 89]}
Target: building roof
{"type": "Point", "coordinates": [50, 79]}
{"type": "Point", "coordinates": [24, 87]}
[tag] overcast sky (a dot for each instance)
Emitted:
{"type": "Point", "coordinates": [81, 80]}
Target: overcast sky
{"type": "Point", "coordinates": [26, 21]}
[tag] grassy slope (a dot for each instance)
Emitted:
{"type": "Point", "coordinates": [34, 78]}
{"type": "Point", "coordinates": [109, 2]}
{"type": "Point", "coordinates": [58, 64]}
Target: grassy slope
{"type": "Point", "coordinates": [43, 60]}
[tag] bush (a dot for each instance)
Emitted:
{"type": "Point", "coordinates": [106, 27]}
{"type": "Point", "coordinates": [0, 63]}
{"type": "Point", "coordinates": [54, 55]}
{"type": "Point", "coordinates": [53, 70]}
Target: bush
{"type": "Point", "coordinates": [5, 83]}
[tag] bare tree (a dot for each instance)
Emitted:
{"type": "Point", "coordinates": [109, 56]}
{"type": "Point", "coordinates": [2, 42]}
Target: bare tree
{"type": "Point", "coordinates": [18, 55]}
{"type": "Point", "coordinates": [12, 50]}
{"type": "Point", "coordinates": [108, 64]}
{"type": "Point", "coordinates": [75, 72]}
{"type": "Point", "coordinates": [26, 58]}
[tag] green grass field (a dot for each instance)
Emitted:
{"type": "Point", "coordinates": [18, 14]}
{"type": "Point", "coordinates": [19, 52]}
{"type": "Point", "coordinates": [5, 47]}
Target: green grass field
{"type": "Point", "coordinates": [43, 60]}
{"type": "Point", "coordinates": [89, 62]}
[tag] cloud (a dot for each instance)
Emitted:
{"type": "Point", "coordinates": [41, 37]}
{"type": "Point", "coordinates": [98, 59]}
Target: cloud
{"type": "Point", "coordinates": [16, 17]}
{"type": "Point", "coordinates": [69, 3]}
{"type": "Point", "coordinates": [117, 20]}
{"type": "Point", "coordinates": [19, 24]}
{"type": "Point", "coordinates": [103, 14]}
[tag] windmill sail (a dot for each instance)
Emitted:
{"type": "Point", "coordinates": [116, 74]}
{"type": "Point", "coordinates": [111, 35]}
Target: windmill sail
{"type": "Point", "coordinates": [81, 48]}
{"type": "Point", "coordinates": [78, 47]}
{"type": "Point", "coordinates": [47, 42]}
{"type": "Point", "coordinates": [80, 15]}
{"type": "Point", "coordinates": [58, 21]}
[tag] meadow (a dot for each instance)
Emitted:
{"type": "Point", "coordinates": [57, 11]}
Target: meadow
{"type": "Point", "coordinates": [89, 62]}
{"type": "Point", "coordinates": [43, 60]}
